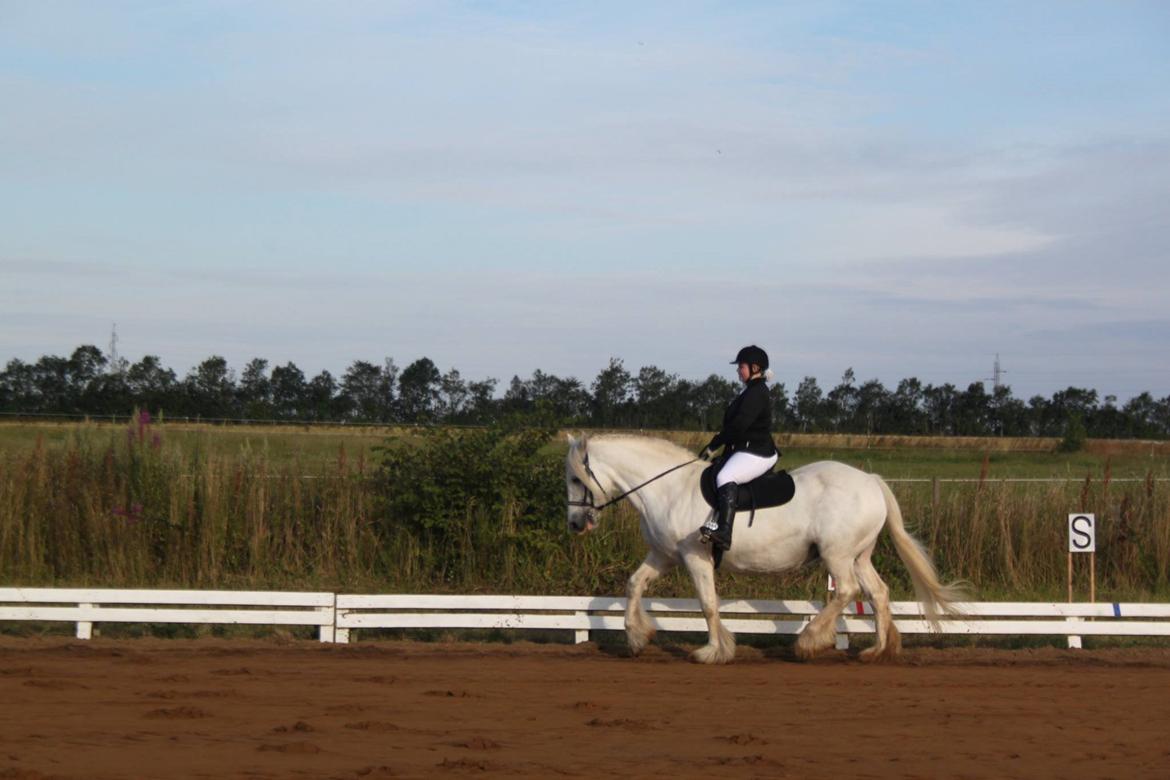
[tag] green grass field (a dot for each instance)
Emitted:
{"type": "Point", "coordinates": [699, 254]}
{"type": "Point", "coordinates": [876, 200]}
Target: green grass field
{"type": "Point", "coordinates": [181, 505]}
{"type": "Point", "coordinates": [314, 448]}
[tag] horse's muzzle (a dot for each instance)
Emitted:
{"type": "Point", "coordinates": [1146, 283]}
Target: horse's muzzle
{"type": "Point", "coordinates": [579, 526]}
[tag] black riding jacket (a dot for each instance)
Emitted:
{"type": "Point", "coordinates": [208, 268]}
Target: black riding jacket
{"type": "Point", "coordinates": [747, 423]}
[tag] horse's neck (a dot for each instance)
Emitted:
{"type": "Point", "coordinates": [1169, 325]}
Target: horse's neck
{"type": "Point", "coordinates": [628, 464]}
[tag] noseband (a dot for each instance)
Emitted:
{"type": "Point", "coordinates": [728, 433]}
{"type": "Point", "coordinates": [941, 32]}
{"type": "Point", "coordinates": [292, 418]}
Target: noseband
{"type": "Point", "coordinates": [587, 500]}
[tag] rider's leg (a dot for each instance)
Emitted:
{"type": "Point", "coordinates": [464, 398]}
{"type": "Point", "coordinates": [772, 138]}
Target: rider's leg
{"type": "Point", "coordinates": [740, 468]}
{"type": "Point", "coordinates": [724, 515]}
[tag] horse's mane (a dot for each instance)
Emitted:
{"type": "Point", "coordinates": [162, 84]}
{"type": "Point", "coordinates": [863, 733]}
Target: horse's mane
{"type": "Point", "coordinates": [667, 449]}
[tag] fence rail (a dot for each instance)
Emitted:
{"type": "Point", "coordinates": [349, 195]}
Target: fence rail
{"type": "Point", "coordinates": [336, 616]}
{"type": "Point", "coordinates": [217, 607]}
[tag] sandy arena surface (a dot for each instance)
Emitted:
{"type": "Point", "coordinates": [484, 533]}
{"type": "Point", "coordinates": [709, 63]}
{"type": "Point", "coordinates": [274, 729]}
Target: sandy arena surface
{"type": "Point", "coordinates": [271, 709]}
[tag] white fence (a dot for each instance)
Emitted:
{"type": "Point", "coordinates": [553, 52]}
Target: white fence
{"type": "Point", "coordinates": [224, 607]}
{"type": "Point", "coordinates": [337, 615]}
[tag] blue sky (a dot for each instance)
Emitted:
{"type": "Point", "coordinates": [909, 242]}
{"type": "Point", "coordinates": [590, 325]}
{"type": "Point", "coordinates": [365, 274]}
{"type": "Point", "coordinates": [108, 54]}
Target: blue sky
{"type": "Point", "coordinates": [902, 188]}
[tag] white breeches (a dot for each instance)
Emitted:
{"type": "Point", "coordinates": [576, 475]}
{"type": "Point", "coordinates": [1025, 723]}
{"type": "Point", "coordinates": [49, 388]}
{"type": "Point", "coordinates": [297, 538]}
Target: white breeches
{"type": "Point", "coordinates": [743, 467]}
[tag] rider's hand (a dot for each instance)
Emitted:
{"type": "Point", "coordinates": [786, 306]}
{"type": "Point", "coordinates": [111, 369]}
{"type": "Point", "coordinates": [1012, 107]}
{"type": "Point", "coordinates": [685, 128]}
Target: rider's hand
{"type": "Point", "coordinates": [707, 454]}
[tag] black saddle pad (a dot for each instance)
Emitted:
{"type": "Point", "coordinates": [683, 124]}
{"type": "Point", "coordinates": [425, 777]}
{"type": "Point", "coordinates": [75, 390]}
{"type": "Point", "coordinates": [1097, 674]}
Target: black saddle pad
{"type": "Point", "coordinates": [772, 489]}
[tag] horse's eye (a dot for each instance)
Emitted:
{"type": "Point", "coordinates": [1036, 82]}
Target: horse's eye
{"type": "Point", "coordinates": [576, 481]}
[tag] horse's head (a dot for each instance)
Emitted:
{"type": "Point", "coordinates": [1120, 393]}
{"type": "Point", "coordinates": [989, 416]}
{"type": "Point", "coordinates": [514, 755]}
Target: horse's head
{"type": "Point", "coordinates": [580, 482]}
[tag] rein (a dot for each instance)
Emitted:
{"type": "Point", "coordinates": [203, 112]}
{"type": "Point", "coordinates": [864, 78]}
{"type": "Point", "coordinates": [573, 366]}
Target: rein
{"type": "Point", "coordinates": [588, 498]}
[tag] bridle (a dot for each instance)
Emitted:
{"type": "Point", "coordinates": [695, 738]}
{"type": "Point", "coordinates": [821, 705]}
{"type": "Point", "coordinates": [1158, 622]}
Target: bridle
{"type": "Point", "coordinates": [587, 499]}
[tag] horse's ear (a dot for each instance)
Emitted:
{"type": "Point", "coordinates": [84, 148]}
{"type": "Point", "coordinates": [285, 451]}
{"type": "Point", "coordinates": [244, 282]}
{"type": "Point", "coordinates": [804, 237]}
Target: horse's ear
{"type": "Point", "coordinates": [571, 439]}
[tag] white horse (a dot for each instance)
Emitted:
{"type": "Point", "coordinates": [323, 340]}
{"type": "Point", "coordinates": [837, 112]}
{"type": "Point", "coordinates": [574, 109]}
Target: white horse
{"type": "Point", "coordinates": [837, 513]}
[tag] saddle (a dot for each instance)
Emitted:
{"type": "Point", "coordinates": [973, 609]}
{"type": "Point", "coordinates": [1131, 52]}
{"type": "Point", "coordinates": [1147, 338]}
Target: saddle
{"type": "Point", "coordinates": [772, 489]}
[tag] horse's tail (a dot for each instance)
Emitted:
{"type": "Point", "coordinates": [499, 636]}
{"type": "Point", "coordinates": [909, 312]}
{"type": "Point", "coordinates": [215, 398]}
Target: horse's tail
{"type": "Point", "coordinates": [936, 598]}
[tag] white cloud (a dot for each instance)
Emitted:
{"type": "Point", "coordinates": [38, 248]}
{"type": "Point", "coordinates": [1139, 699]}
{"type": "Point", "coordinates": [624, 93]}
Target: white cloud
{"type": "Point", "coordinates": [502, 192]}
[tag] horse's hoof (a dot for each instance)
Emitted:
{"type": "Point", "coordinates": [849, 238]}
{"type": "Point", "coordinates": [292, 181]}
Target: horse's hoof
{"type": "Point", "coordinates": [871, 655]}
{"type": "Point", "coordinates": [637, 645]}
{"type": "Point", "coordinates": [805, 652]}
{"type": "Point", "coordinates": [704, 655]}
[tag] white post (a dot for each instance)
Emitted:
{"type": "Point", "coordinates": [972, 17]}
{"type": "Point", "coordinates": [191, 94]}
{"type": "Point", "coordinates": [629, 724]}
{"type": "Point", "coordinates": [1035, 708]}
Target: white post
{"type": "Point", "coordinates": [84, 627]}
{"type": "Point", "coordinates": [329, 630]}
{"type": "Point", "coordinates": [842, 642]}
{"type": "Point", "coordinates": [581, 635]}
{"type": "Point", "coordinates": [1074, 640]}
{"type": "Point", "coordinates": [1082, 538]}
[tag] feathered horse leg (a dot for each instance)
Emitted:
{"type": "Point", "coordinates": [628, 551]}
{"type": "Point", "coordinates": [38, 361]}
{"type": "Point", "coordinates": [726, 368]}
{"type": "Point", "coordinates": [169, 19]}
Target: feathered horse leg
{"type": "Point", "coordinates": [821, 632]}
{"type": "Point", "coordinates": [639, 629]}
{"type": "Point", "coordinates": [720, 647]}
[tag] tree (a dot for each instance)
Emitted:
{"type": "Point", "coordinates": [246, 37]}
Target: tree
{"type": "Point", "coordinates": [554, 400]}
{"type": "Point", "coordinates": [211, 388]}
{"type": "Point", "coordinates": [1074, 434]}
{"type": "Point", "coordinates": [871, 402]}
{"type": "Point", "coordinates": [320, 397]}
{"type": "Point", "coordinates": [809, 403]}
{"type": "Point", "coordinates": [841, 402]}
{"type": "Point", "coordinates": [290, 393]}
{"type": "Point", "coordinates": [611, 395]}
{"type": "Point", "coordinates": [1009, 415]}
{"type": "Point", "coordinates": [973, 411]}
{"type": "Point", "coordinates": [518, 396]}
{"type": "Point", "coordinates": [256, 390]}
{"type": "Point", "coordinates": [367, 391]}
{"type": "Point", "coordinates": [87, 366]}
{"type": "Point", "coordinates": [18, 387]}
{"type": "Point", "coordinates": [653, 389]}
{"type": "Point", "coordinates": [87, 383]}
{"type": "Point", "coordinates": [939, 405]}
{"type": "Point", "coordinates": [904, 408]}
{"type": "Point", "coordinates": [152, 385]}
{"type": "Point", "coordinates": [51, 377]}
{"type": "Point", "coordinates": [418, 391]}
{"type": "Point", "coordinates": [1141, 412]}
{"type": "Point", "coordinates": [481, 406]}
{"type": "Point", "coordinates": [783, 414]}
{"type": "Point", "coordinates": [1162, 418]}
{"type": "Point", "coordinates": [453, 395]}
{"type": "Point", "coordinates": [710, 401]}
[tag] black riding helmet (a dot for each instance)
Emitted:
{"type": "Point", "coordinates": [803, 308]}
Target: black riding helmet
{"type": "Point", "coordinates": [752, 355]}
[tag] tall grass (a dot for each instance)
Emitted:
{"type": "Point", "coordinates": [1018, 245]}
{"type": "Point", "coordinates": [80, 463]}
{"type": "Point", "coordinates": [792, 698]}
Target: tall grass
{"type": "Point", "coordinates": [483, 511]}
{"type": "Point", "coordinates": [130, 510]}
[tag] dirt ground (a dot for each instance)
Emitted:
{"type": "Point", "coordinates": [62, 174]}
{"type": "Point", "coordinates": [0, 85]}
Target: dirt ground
{"type": "Point", "coordinates": [271, 709]}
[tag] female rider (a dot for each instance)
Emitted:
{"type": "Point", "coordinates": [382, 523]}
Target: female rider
{"type": "Point", "coordinates": [746, 437]}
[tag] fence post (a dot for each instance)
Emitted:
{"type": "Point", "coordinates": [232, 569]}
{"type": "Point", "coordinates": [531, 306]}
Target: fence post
{"type": "Point", "coordinates": [328, 633]}
{"type": "Point", "coordinates": [934, 492]}
{"type": "Point", "coordinates": [580, 636]}
{"type": "Point", "coordinates": [1074, 640]}
{"type": "Point", "coordinates": [84, 627]}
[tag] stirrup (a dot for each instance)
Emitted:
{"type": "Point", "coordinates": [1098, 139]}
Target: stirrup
{"type": "Point", "coordinates": [721, 542]}
{"type": "Point", "coordinates": [709, 526]}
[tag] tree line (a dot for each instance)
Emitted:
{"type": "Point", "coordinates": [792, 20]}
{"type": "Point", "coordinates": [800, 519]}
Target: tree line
{"type": "Point", "coordinates": [88, 382]}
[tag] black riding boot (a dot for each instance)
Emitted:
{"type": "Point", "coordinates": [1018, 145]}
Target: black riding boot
{"type": "Point", "coordinates": [724, 515]}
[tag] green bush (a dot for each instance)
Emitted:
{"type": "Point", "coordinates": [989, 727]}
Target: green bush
{"type": "Point", "coordinates": [1074, 434]}
{"type": "Point", "coordinates": [470, 507]}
